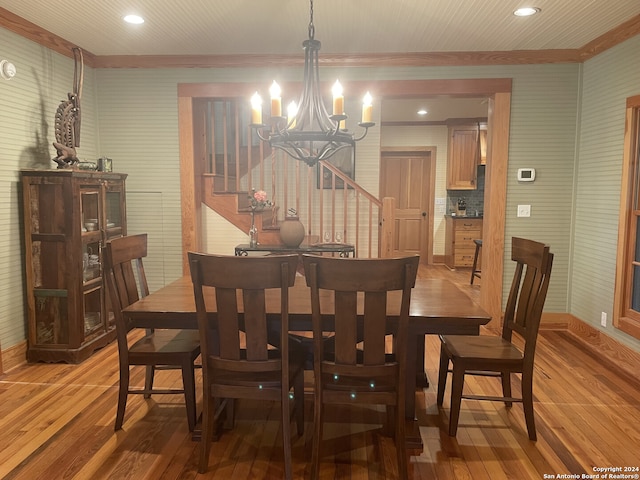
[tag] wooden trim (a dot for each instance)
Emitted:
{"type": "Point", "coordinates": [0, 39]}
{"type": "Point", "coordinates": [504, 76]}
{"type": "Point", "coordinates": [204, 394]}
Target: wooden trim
{"type": "Point", "coordinates": [628, 325]}
{"type": "Point", "coordinates": [396, 59]}
{"type": "Point", "coordinates": [189, 201]}
{"type": "Point", "coordinates": [554, 321]}
{"type": "Point", "coordinates": [626, 230]}
{"type": "Point", "coordinates": [499, 91]}
{"type": "Point", "coordinates": [495, 197]}
{"type": "Point", "coordinates": [621, 33]}
{"type": "Point", "coordinates": [606, 347]}
{"type": "Point", "coordinates": [43, 37]}
{"type": "Point", "coordinates": [14, 356]}
{"type": "Point", "coordinates": [391, 89]}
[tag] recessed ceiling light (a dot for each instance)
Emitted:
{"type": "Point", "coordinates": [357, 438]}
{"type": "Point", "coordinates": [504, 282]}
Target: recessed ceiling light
{"type": "Point", "coordinates": [422, 112]}
{"type": "Point", "coordinates": [135, 19]}
{"type": "Point", "coordinates": [526, 11]}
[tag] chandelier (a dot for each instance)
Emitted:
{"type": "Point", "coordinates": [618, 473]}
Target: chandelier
{"type": "Point", "coordinates": [308, 132]}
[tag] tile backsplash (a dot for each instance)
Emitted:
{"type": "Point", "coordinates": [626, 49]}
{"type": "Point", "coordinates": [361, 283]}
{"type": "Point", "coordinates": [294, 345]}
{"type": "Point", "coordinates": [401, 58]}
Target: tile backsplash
{"type": "Point", "coordinates": [473, 198]}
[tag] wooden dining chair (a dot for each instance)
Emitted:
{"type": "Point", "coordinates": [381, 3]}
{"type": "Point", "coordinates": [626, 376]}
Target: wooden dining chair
{"type": "Point", "coordinates": [244, 356]}
{"type": "Point", "coordinates": [356, 368]}
{"type": "Point", "coordinates": [158, 349]}
{"type": "Point", "coordinates": [491, 355]}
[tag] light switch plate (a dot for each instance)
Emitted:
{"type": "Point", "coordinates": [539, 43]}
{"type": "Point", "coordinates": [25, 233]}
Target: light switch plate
{"type": "Point", "coordinates": [524, 210]}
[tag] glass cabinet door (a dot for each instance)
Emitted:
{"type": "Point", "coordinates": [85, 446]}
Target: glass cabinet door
{"type": "Point", "coordinates": [114, 214]}
{"type": "Point", "coordinates": [90, 209]}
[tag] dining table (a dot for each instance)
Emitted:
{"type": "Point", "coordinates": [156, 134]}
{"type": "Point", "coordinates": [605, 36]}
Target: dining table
{"type": "Point", "coordinates": [437, 306]}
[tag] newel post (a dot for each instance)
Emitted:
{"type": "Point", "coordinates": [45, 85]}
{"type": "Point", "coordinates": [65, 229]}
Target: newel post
{"type": "Point", "coordinates": [387, 226]}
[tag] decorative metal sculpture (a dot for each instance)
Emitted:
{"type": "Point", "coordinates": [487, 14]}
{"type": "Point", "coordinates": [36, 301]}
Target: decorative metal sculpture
{"type": "Point", "coordinates": [67, 122]}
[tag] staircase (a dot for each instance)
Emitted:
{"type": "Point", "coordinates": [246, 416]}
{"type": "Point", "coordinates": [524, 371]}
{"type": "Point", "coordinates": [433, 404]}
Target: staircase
{"type": "Point", "coordinates": [338, 210]}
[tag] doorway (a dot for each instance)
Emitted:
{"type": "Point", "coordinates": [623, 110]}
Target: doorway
{"type": "Point", "coordinates": [407, 174]}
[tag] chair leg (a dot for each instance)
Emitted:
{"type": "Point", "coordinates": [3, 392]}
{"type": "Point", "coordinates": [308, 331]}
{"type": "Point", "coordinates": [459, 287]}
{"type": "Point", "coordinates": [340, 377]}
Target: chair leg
{"type": "Point", "coordinates": [475, 263]}
{"type": "Point", "coordinates": [527, 404]}
{"type": "Point", "coordinates": [189, 386]}
{"type": "Point", "coordinates": [442, 375]}
{"type": "Point", "coordinates": [123, 392]}
{"type": "Point", "coordinates": [389, 428]}
{"type": "Point", "coordinates": [457, 384]}
{"type": "Point", "coordinates": [208, 419]}
{"type": "Point", "coordinates": [286, 433]}
{"type": "Point", "coordinates": [298, 394]}
{"type": "Point", "coordinates": [148, 380]}
{"type": "Point", "coordinates": [401, 443]}
{"type": "Point", "coordinates": [506, 387]}
{"type": "Point", "coordinates": [317, 436]}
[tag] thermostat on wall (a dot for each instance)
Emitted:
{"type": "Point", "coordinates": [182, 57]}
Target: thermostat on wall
{"type": "Point", "coordinates": [526, 174]}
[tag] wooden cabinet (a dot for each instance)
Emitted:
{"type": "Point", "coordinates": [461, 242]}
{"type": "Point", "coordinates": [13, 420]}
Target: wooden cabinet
{"type": "Point", "coordinates": [68, 217]}
{"type": "Point", "coordinates": [459, 236]}
{"type": "Point", "coordinates": [463, 157]}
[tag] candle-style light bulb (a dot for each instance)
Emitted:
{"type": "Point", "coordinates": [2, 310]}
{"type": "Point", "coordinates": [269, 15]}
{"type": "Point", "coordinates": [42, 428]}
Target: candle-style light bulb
{"type": "Point", "coordinates": [256, 109]}
{"type": "Point", "coordinates": [292, 111]}
{"type": "Point", "coordinates": [276, 100]}
{"type": "Point", "coordinates": [367, 108]}
{"type": "Point", "coordinates": [338, 99]}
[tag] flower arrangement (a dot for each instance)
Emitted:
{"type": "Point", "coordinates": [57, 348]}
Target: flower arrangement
{"type": "Point", "coordinates": [258, 199]}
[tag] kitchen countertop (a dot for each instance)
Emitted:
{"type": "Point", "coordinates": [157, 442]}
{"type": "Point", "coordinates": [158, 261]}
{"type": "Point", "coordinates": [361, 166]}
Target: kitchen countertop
{"type": "Point", "coordinates": [464, 216]}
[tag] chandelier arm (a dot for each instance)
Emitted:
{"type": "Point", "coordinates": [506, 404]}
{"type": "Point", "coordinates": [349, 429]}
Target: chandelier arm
{"type": "Point", "coordinates": [366, 127]}
{"type": "Point", "coordinates": [259, 132]}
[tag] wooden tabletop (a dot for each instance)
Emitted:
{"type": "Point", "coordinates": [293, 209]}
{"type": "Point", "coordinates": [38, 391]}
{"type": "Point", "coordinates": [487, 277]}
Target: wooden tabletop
{"type": "Point", "coordinates": [437, 306]}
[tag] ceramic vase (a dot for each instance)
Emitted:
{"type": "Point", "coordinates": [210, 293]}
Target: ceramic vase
{"type": "Point", "coordinates": [292, 232]}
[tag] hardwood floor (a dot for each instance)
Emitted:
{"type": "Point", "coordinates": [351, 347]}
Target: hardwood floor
{"type": "Point", "coordinates": [57, 422]}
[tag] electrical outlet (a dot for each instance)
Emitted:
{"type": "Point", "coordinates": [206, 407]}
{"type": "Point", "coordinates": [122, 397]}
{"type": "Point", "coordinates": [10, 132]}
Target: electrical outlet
{"type": "Point", "coordinates": [603, 319]}
{"type": "Point", "coordinates": [524, 210]}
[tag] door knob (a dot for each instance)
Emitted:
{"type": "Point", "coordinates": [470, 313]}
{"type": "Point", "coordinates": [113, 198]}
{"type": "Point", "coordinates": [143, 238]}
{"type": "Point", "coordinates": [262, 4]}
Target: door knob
{"type": "Point", "coordinates": [424, 214]}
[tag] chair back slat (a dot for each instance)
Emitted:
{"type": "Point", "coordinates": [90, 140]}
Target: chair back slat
{"type": "Point", "coordinates": [228, 331]}
{"type": "Point", "coordinates": [375, 311]}
{"type": "Point", "coordinates": [255, 322]}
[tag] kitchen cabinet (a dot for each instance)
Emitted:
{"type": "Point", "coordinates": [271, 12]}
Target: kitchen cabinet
{"type": "Point", "coordinates": [68, 217]}
{"type": "Point", "coordinates": [463, 157]}
{"type": "Point", "coordinates": [460, 232]}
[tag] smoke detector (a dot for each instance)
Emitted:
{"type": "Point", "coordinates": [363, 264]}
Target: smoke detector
{"type": "Point", "coordinates": [7, 69]}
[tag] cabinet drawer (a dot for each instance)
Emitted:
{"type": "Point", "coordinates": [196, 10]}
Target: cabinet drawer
{"type": "Point", "coordinates": [466, 238]}
{"type": "Point", "coordinates": [469, 224]}
{"type": "Point", "coordinates": [463, 259]}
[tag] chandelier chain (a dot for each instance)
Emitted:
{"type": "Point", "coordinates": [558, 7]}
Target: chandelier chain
{"type": "Point", "coordinates": [312, 28]}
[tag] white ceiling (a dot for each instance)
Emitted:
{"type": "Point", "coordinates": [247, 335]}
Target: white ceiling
{"type": "Point", "coordinates": [209, 27]}
{"type": "Point", "coordinates": [439, 109]}
{"type": "Point", "coordinates": [217, 27]}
